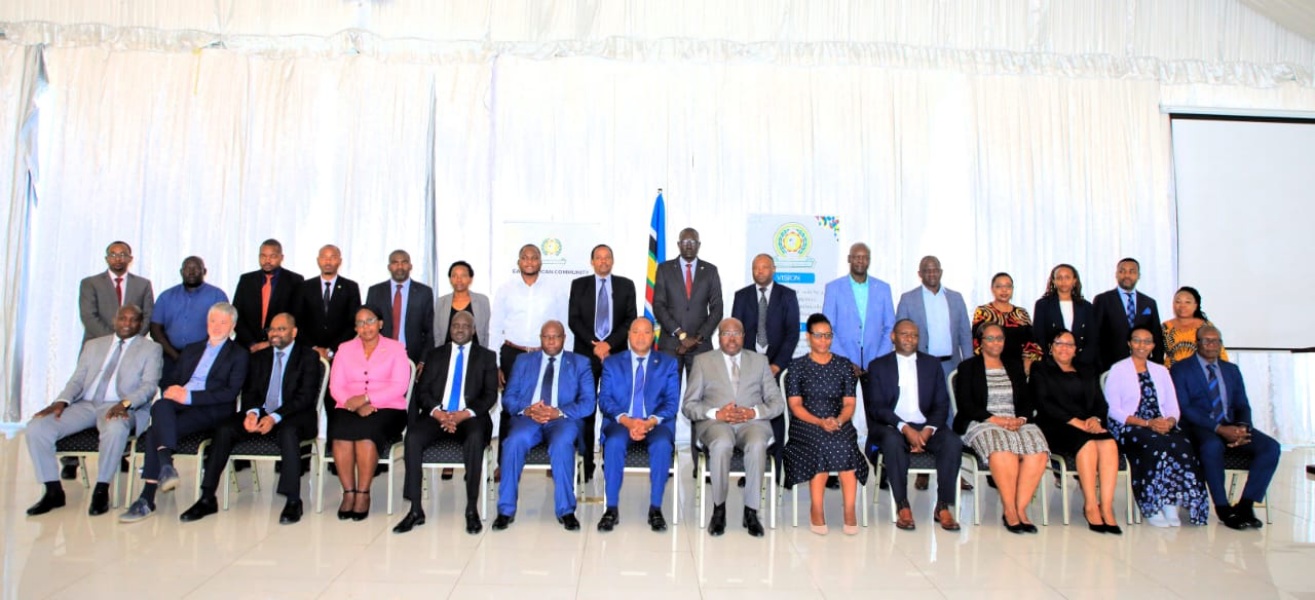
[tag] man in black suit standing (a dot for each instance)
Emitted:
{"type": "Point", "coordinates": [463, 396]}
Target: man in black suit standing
{"type": "Point", "coordinates": [408, 307]}
{"type": "Point", "coordinates": [327, 305]}
{"type": "Point", "coordinates": [278, 400]}
{"type": "Point", "coordinates": [263, 293]}
{"type": "Point", "coordinates": [452, 400]}
{"type": "Point", "coordinates": [687, 301]}
{"type": "Point", "coordinates": [601, 307]}
{"type": "Point", "coordinates": [1123, 309]}
{"type": "Point", "coordinates": [770, 313]}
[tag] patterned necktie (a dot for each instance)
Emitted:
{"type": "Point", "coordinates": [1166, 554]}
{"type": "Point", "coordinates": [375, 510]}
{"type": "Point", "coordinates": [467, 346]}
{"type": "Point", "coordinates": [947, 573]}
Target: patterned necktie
{"type": "Point", "coordinates": [106, 375]}
{"type": "Point", "coordinates": [265, 291]}
{"type": "Point", "coordinates": [118, 289]}
{"type": "Point", "coordinates": [397, 313]}
{"type": "Point", "coordinates": [1131, 309]}
{"type": "Point", "coordinates": [637, 394]}
{"type": "Point", "coordinates": [602, 312]}
{"type": "Point", "coordinates": [274, 395]}
{"type": "Point", "coordinates": [735, 375]}
{"type": "Point", "coordinates": [327, 285]}
{"type": "Point", "coordinates": [1216, 399]}
{"type": "Point", "coordinates": [545, 392]}
{"type": "Point", "coordinates": [454, 401]}
{"type": "Point", "coordinates": [689, 282]}
{"type": "Point", "coordinates": [761, 338]}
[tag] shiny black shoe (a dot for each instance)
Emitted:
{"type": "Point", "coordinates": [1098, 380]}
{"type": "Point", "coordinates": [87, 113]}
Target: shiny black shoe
{"type": "Point", "coordinates": [656, 521]}
{"type": "Point", "coordinates": [503, 521]}
{"type": "Point", "coordinates": [832, 482]}
{"type": "Point", "coordinates": [1248, 516]}
{"type": "Point", "coordinates": [47, 503]}
{"type": "Point", "coordinates": [1028, 527]}
{"type": "Point", "coordinates": [752, 524]}
{"type": "Point", "coordinates": [344, 515]}
{"type": "Point", "coordinates": [292, 511]}
{"type": "Point", "coordinates": [204, 507]}
{"type": "Point", "coordinates": [569, 522]}
{"type": "Point", "coordinates": [473, 524]}
{"type": "Point", "coordinates": [100, 503]}
{"type": "Point", "coordinates": [609, 520]}
{"type": "Point", "coordinates": [1096, 527]}
{"type": "Point", "coordinates": [1113, 529]}
{"type": "Point", "coordinates": [360, 515]}
{"type": "Point", "coordinates": [1018, 529]}
{"type": "Point", "coordinates": [70, 470]}
{"type": "Point", "coordinates": [410, 521]}
{"type": "Point", "coordinates": [717, 525]}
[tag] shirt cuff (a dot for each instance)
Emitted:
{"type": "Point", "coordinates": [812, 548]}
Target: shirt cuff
{"type": "Point", "coordinates": [757, 414]}
{"type": "Point", "coordinates": [659, 419]}
{"type": "Point", "coordinates": [900, 426]}
{"type": "Point", "coordinates": [188, 399]}
{"type": "Point", "coordinates": [712, 413]}
{"type": "Point", "coordinates": [277, 418]}
{"type": "Point", "coordinates": [66, 402]}
{"type": "Point", "coordinates": [471, 413]}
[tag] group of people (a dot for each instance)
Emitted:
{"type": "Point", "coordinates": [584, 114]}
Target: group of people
{"type": "Point", "coordinates": [408, 368]}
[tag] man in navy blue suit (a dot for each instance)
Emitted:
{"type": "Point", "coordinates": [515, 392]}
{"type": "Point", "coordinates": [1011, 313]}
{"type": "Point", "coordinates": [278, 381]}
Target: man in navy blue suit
{"type": "Point", "coordinates": [548, 394]}
{"type": "Point", "coordinates": [1216, 414]}
{"type": "Point", "coordinates": [770, 313]}
{"type": "Point", "coordinates": [1121, 310]}
{"type": "Point", "coordinates": [908, 410]}
{"type": "Point", "coordinates": [639, 397]}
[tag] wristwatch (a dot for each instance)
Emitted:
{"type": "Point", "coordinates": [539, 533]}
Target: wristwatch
{"type": "Point", "coordinates": [680, 335]}
{"type": "Point", "coordinates": [126, 403]}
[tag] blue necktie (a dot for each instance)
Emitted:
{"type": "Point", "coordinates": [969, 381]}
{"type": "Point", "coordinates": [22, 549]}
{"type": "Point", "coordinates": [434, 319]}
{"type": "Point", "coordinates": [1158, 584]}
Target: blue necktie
{"type": "Point", "coordinates": [602, 312]}
{"type": "Point", "coordinates": [1216, 399]}
{"type": "Point", "coordinates": [637, 394]}
{"type": "Point", "coordinates": [274, 395]}
{"type": "Point", "coordinates": [454, 401]}
{"type": "Point", "coordinates": [545, 392]}
{"type": "Point", "coordinates": [1131, 309]}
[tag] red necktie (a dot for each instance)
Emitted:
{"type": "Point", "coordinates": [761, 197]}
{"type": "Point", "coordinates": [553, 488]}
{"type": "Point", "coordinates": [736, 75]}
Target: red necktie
{"type": "Point", "coordinates": [118, 289]}
{"type": "Point", "coordinates": [397, 312]}
{"type": "Point", "coordinates": [689, 282]}
{"type": "Point", "coordinates": [265, 291]}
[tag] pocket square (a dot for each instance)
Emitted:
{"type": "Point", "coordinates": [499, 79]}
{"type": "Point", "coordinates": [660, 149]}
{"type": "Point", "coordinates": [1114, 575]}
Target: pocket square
{"type": "Point", "coordinates": [1146, 312]}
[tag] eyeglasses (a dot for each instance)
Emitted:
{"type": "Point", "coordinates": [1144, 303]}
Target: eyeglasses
{"type": "Point", "coordinates": [1210, 341]}
{"type": "Point", "coordinates": [993, 338]}
{"type": "Point", "coordinates": [1141, 341]}
{"type": "Point", "coordinates": [731, 334]}
{"type": "Point", "coordinates": [687, 243]}
{"type": "Point", "coordinates": [364, 322]}
{"type": "Point", "coordinates": [1064, 344]}
{"type": "Point", "coordinates": [118, 255]}
{"type": "Point", "coordinates": [552, 336]}
{"type": "Point", "coordinates": [824, 335]}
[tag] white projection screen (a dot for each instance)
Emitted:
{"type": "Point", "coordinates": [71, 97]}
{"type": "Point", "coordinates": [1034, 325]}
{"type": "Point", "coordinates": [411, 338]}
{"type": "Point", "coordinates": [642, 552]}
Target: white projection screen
{"type": "Point", "coordinates": [1246, 225]}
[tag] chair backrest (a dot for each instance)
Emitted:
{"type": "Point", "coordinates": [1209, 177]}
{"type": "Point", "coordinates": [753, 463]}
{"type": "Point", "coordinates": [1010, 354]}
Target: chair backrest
{"type": "Point", "coordinates": [949, 382]}
{"type": "Point", "coordinates": [411, 382]}
{"type": "Point", "coordinates": [788, 416]}
{"type": "Point", "coordinates": [321, 419]}
{"type": "Point", "coordinates": [1103, 378]}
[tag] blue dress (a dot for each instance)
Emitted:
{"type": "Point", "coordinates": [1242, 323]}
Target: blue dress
{"type": "Point", "coordinates": [1164, 467]}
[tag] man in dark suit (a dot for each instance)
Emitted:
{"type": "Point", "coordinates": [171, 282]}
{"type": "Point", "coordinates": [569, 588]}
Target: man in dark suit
{"type": "Point", "coordinates": [278, 400]}
{"type": "Point", "coordinates": [687, 301]}
{"type": "Point", "coordinates": [452, 400]}
{"type": "Point", "coordinates": [773, 332]}
{"type": "Point", "coordinates": [908, 406]}
{"type": "Point", "coordinates": [601, 307]}
{"type": "Point", "coordinates": [1123, 309]}
{"type": "Point", "coordinates": [550, 391]}
{"type": "Point", "coordinates": [327, 305]}
{"type": "Point", "coordinates": [405, 302]}
{"type": "Point", "coordinates": [101, 295]}
{"type": "Point", "coordinates": [1217, 414]}
{"type": "Point", "coordinates": [198, 395]}
{"type": "Point", "coordinates": [639, 399]}
{"type": "Point", "coordinates": [263, 293]}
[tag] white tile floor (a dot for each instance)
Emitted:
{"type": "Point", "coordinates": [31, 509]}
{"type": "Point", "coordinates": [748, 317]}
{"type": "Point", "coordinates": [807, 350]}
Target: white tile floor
{"type": "Point", "coordinates": [244, 553]}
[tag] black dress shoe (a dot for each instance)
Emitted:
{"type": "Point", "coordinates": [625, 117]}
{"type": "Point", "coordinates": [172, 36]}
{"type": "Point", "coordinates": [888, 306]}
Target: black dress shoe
{"type": "Point", "coordinates": [204, 507]}
{"type": "Point", "coordinates": [241, 465]}
{"type": "Point", "coordinates": [100, 503]}
{"type": "Point", "coordinates": [410, 521]}
{"type": "Point", "coordinates": [70, 470]}
{"type": "Point", "coordinates": [1019, 529]}
{"type": "Point", "coordinates": [1096, 527]}
{"type": "Point", "coordinates": [502, 522]}
{"type": "Point", "coordinates": [832, 482]}
{"type": "Point", "coordinates": [473, 524]}
{"type": "Point", "coordinates": [752, 524]}
{"type": "Point", "coordinates": [1028, 527]}
{"type": "Point", "coordinates": [1228, 515]}
{"type": "Point", "coordinates": [717, 525]}
{"type": "Point", "coordinates": [1113, 529]}
{"type": "Point", "coordinates": [609, 520]}
{"type": "Point", "coordinates": [1248, 516]}
{"type": "Point", "coordinates": [569, 522]}
{"type": "Point", "coordinates": [47, 503]}
{"type": "Point", "coordinates": [655, 519]}
{"type": "Point", "coordinates": [291, 512]}
{"type": "Point", "coordinates": [740, 484]}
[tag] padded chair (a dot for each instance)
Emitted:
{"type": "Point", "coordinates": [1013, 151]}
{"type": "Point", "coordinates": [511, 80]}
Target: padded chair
{"type": "Point", "coordinates": [86, 444]}
{"type": "Point", "coordinates": [447, 453]}
{"type": "Point", "coordinates": [1064, 465]}
{"type": "Point", "coordinates": [1237, 464]}
{"type": "Point", "coordinates": [920, 463]}
{"type": "Point", "coordinates": [737, 469]}
{"type": "Point", "coordinates": [976, 468]}
{"type": "Point", "coordinates": [194, 446]}
{"type": "Point", "coordinates": [390, 457]}
{"type": "Point", "coordinates": [537, 460]}
{"type": "Point", "coordinates": [266, 448]}
{"type": "Point", "coordinates": [637, 462]}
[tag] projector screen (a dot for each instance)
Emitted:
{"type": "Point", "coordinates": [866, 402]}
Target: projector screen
{"type": "Point", "coordinates": [1246, 232]}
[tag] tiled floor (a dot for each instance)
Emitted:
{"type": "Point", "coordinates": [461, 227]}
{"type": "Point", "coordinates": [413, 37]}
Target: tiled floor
{"type": "Point", "coordinates": [244, 553]}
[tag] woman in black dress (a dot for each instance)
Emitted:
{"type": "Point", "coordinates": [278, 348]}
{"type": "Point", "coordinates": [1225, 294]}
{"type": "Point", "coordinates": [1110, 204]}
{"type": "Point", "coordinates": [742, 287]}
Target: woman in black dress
{"type": "Point", "coordinates": [820, 392]}
{"type": "Point", "coordinates": [1071, 412]}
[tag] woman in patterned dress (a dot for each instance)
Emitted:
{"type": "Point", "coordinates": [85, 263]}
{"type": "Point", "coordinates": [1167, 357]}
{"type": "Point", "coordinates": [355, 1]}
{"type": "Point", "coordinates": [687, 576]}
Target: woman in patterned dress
{"type": "Point", "coordinates": [820, 392]}
{"type": "Point", "coordinates": [995, 419]}
{"type": "Point", "coordinates": [1180, 331]}
{"type": "Point", "coordinates": [1143, 416]}
{"type": "Point", "coordinates": [1017, 324]}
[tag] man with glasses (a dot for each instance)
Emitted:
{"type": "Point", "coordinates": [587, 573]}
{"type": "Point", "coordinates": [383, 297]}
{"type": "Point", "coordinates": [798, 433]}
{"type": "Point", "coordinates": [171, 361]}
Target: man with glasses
{"type": "Point", "coordinates": [1217, 415]}
{"type": "Point", "coordinates": [687, 301]}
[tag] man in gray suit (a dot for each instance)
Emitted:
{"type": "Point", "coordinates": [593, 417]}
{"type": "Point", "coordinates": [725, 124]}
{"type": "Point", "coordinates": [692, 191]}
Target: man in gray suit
{"type": "Point", "coordinates": [101, 295]}
{"type": "Point", "coordinates": [941, 316]}
{"type": "Point", "coordinates": [731, 398]}
{"type": "Point", "coordinates": [115, 378]}
{"type": "Point", "coordinates": [687, 301]}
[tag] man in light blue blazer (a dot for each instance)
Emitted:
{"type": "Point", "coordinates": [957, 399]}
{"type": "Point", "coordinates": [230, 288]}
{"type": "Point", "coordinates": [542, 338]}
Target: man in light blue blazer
{"type": "Point", "coordinates": [860, 310]}
{"type": "Point", "coordinates": [548, 394]}
{"type": "Point", "coordinates": [638, 396]}
{"type": "Point", "coordinates": [944, 330]}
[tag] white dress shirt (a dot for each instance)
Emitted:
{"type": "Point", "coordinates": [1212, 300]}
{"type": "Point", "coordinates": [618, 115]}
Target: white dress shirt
{"type": "Point", "coordinates": [907, 407]}
{"type": "Point", "coordinates": [451, 373]}
{"type": "Point", "coordinates": [731, 361]}
{"type": "Point", "coordinates": [520, 310]}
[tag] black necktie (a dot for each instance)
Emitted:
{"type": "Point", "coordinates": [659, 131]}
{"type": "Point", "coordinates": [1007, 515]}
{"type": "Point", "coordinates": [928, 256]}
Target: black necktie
{"type": "Point", "coordinates": [545, 392]}
{"type": "Point", "coordinates": [327, 284]}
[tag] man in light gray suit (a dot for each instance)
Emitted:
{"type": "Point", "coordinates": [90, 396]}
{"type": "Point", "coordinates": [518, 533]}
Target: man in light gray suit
{"type": "Point", "coordinates": [115, 379]}
{"type": "Point", "coordinates": [731, 397]}
{"type": "Point", "coordinates": [941, 316]}
{"type": "Point", "coordinates": [101, 295]}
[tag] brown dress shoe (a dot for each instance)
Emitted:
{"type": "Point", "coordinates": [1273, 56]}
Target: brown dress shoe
{"type": "Point", "coordinates": [920, 483]}
{"type": "Point", "coordinates": [965, 486]}
{"type": "Point", "coordinates": [904, 520]}
{"type": "Point", "coordinates": [945, 517]}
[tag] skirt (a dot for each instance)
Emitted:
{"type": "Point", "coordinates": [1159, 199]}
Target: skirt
{"type": "Point", "coordinates": [987, 438]}
{"type": "Point", "coordinates": [383, 427]}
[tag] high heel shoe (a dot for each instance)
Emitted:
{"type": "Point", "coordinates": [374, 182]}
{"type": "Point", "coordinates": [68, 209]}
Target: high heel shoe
{"type": "Point", "coordinates": [818, 529]}
{"type": "Point", "coordinates": [850, 529]}
{"type": "Point", "coordinates": [343, 515]}
{"type": "Point", "coordinates": [1114, 529]}
{"type": "Point", "coordinates": [1019, 529]}
{"type": "Point", "coordinates": [360, 515]}
{"type": "Point", "coordinates": [1098, 528]}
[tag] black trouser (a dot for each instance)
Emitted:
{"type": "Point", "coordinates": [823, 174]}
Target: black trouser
{"type": "Point", "coordinates": [473, 434]}
{"type": "Point", "coordinates": [290, 434]}
{"type": "Point", "coordinates": [945, 445]}
{"type": "Point", "coordinates": [507, 355]}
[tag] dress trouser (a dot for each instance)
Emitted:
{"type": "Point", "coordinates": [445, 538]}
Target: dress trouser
{"type": "Point", "coordinates": [290, 434]}
{"type": "Point", "coordinates": [507, 356]}
{"type": "Point", "coordinates": [170, 421]}
{"type": "Point", "coordinates": [561, 435]}
{"type": "Point", "coordinates": [473, 434]}
{"type": "Point", "coordinates": [1264, 453]}
{"type": "Point", "coordinates": [721, 439]}
{"type": "Point", "coordinates": [616, 441]}
{"type": "Point", "coordinates": [44, 432]}
{"type": "Point", "coordinates": [944, 445]}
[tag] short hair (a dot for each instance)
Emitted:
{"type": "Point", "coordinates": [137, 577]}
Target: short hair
{"type": "Point", "coordinates": [273, 243]}
{"type": "Point", "coordinates": [1131, 260]}
{"type": "Point", "coordinates": [595, 250]}
{"type": "Point", "coordinates": [374, 310]}
{"type": "Point", "coordinates": [399, 251]}
{"type": "Point", "coordinates": [225, 308]}
{"type": "Point", "coordinates": [904, 320]}
{"type": "Point", "coordinates": [1058, 332]}
{"type": "Point", "coordinates": [1001, 274]}
{"type": "Point", "coordinates": [533, 247]}
{"type": "Point", "coordinates": [1200, 331]}
{"type": "Point", "coordinates": [118, 243]}
{"type": "Point", "coordinates": [461, 263]}
{"type": "Point", "coordinates": [1200, 314]}
{"type": "Point", "coordinates": [132, 307]}
{"type": "Point", "coordinates": [1077, 281]}
{"type": "Point", "coordinates": [1134, 330]}
{"type": "Point", "coordinates": [980, 331]}
{"type": "Point", "coordinates": [816, 318]}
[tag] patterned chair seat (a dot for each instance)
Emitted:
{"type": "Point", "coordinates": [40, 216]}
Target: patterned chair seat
{"type": "Point", "coordinates": [385, 455]}
{"type": "Point", "coordinates": [1236, 460]}
{"type": "Point", "coordinates": [264, 445]}
{"type": "Point", "coordinates": [82, 442]}
{"type": "Point", "coordinates": [444, 451]}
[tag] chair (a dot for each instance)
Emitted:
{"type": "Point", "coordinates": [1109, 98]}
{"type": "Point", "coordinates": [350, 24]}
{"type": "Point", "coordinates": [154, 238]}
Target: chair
{"type": "Point", "coordinates": [1065, 464]}
{"type": "Point", "coordinates": [637, 462]}
{"type": "Point", "coordinates": [266, 449]}
{"type": "Point", "coordinates": [194, 446]}
{"type": "Point", "coordinates": [86, 444]}
{"type": "Point", "coordinates": [537, 459]}
{"type": "Point", "coordinates": [977, 469]}
{"type": "Point", "coordinates": [388, 457]}
{"type": "Point", "coordinates": [861, 501]}
{"type": "Point", "coordinates": [1237, 464]}
{"type": "Point", "coordinates": [920, 463]}
{"type": "Point", "coordinates": [737, 468]}
{"type": "Point", "coordinates": [447, 453]}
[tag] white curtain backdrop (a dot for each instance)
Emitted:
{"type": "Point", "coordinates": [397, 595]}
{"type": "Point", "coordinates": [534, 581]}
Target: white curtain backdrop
{"type": "Point", "coordinates": [1000, 138]}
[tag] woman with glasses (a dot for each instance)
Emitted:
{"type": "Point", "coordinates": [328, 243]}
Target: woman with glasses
{"type": "Point", "coordinates": [820, 391]}
{"type": "Point", "coordinates": [1180, 331]}
{"type": "Point", "coordinates": [1071, 412]}
{"type": "Point", "coordinates": [1144, 419]}
{"type": "Point", "coordinates": [1014, 320]}
{"type": "Point", "coordinates": [368, 383]}
{"type": "Point", "coordinates": [995, 419]}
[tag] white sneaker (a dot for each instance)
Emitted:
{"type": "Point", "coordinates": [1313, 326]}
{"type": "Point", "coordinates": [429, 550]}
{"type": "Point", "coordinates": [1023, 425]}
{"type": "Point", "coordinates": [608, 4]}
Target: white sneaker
{"type": "Point", "coordinates": [1171, 513]}
{"type": "Point", "coordinates": [1158, 520]}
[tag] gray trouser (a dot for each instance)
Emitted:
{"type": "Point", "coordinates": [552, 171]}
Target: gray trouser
{"type": "Point", "coordinates": [721, 439]}
{"type": "Point", "coordinates": [44, 432]}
